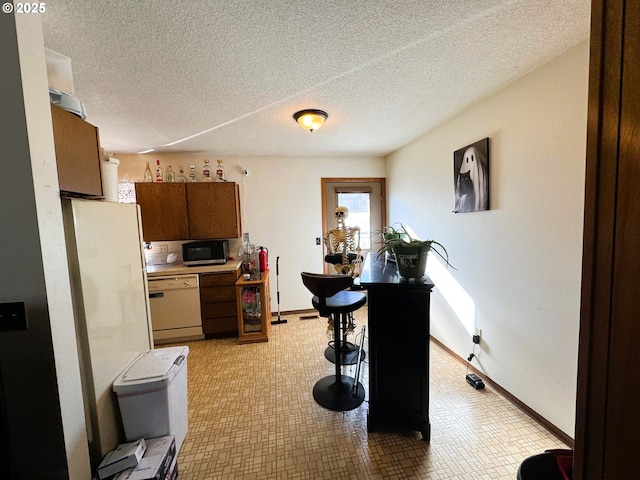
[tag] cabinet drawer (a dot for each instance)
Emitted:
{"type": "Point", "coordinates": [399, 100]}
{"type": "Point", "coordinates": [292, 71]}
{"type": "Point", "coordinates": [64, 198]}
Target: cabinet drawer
{"type": "Point", "coordinates": [223, 325]}
{"type": "Point", "coordinates": [217, 294]}
{"type": "Point", "coordinates": [217, 279]}
{"type": "Point", "coordinates": [217, 310]}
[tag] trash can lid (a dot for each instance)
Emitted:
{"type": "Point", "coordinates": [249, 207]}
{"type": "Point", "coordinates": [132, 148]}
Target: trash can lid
{"type": "Point", "coordinates": [155, 366]}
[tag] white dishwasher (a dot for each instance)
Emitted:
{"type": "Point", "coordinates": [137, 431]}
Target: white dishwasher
{"type": "Point", "coordinates": [175, 308]}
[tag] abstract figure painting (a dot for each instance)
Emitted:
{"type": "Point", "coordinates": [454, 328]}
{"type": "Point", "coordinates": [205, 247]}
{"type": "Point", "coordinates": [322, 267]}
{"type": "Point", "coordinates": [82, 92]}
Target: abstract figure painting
{"type": "Point", "coordinates": [471, 177]}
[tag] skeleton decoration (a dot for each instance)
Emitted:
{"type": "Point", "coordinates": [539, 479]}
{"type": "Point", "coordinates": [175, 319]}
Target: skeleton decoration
{"type": "Point", "coordinates": [344, 240]}
{"type": "Point", "coordinates": [349, 328]}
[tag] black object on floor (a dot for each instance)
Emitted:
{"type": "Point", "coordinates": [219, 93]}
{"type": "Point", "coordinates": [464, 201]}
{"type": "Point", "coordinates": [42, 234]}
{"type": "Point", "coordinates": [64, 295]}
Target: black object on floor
{"type": "Point", "coordinates": [475, 381]}
{"type": "Point", "coordinates": [541, 467]}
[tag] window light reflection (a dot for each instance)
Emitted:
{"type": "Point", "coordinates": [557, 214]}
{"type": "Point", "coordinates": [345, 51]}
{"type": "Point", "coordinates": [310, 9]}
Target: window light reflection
{"type": "Point", "coordinates": [457, 298]}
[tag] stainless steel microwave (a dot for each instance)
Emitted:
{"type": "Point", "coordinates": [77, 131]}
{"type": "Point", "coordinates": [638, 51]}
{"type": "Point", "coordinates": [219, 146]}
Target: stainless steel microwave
{"type": "Point", "coordinates": [205, 252]}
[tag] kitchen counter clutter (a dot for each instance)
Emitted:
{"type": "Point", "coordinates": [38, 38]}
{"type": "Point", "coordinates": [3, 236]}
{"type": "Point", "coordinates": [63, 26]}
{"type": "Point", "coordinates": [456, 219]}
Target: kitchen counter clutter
{"type": "Point", "coordinates": [179, 269]}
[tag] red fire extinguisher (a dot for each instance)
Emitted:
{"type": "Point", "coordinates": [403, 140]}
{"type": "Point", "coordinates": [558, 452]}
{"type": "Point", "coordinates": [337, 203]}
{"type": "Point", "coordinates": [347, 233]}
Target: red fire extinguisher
{"type": "Point", "coordinates": [263, 258]}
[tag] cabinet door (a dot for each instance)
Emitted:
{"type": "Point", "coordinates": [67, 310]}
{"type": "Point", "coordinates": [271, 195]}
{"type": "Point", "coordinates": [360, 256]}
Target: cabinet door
{"type": "Point", "coordinates": [163, 210]}
{"type": "Point", "coordinates": [213, 210]}
{"type": "Point", "coordinates": [399, 357]}
{"type": "Point", "coordinates": [77, 153]}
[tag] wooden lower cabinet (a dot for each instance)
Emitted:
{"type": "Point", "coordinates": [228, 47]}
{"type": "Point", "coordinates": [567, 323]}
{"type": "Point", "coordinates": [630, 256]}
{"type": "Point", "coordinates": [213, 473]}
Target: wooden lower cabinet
{"type": "Point", "coordinates": [254, 308]}
{"type": "Point", "coordinates": [218, 304]}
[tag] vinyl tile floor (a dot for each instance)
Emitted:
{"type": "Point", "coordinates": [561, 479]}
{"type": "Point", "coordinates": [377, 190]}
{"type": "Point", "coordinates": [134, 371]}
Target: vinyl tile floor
{"type": "Point", "coordinates": [252, 416]}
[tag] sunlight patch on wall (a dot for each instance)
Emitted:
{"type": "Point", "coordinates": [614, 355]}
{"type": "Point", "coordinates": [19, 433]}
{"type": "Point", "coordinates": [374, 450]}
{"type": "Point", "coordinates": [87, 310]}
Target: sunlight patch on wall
{"type": "Point", "coordinates": [457, 298]}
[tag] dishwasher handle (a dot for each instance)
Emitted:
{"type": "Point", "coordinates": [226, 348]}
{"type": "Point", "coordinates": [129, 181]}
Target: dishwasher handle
{"type": "Point", "coordinates": [175, 282]}
{"type": "Point", "coordinates": [156, 294]}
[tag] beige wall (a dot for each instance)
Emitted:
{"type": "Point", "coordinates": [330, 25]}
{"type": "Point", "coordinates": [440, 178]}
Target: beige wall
{"type": "Point", "coordinates": [520, 262]}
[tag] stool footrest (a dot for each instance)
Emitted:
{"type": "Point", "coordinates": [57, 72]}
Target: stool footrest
{"type": "Point", "coordinates": [347, 356]}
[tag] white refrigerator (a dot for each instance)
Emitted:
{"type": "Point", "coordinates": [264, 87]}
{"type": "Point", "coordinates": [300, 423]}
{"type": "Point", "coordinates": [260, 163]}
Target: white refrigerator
{"type": "Point", "coordinates": [111, 306]}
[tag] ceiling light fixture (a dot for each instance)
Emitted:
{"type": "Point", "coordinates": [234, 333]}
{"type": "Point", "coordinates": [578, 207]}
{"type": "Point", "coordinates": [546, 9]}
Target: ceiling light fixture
{"type": "Point", "coordinates": [310, 119]}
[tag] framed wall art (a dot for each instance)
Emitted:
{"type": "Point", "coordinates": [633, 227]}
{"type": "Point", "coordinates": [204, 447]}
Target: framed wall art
{"type": "Point", "coordinates": [471, 177]}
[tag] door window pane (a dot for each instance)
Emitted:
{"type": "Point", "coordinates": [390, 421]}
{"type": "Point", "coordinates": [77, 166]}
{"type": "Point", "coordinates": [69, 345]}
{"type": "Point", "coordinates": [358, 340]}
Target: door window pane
{"type": "Point", "coordinates": [359, 205]}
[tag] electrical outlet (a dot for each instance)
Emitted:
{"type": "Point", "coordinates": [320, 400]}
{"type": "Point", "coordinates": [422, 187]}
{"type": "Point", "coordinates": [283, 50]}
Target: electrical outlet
{"type": "Point", "coordinates": [318, 241]}
{"type": "Point", "coordinates": [477, 334]}
{"type": "Point", "coordinates": [164, 248]}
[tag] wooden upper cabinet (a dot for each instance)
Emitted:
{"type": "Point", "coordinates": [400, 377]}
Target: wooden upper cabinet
{"type": "Point", "coordinates": [189, 211]}
{"type": "Point", "coordinates": [213, 210]}
{"type": "Point", "coordinates": [164, 211]}
{"type": "Point", "coordinates": [77, 146]}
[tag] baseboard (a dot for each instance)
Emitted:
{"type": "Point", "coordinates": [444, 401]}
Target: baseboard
{"type": "Point", "coordinates": [550, 427]}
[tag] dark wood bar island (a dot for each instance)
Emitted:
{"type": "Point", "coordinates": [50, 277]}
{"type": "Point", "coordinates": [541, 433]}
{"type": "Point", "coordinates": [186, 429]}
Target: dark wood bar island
{"type": "Point", "coordinates": [398, 347]}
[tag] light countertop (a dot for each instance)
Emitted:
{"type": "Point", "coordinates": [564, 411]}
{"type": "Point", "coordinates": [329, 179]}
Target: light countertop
{"type": "Point", "coordinates": [180, 269]}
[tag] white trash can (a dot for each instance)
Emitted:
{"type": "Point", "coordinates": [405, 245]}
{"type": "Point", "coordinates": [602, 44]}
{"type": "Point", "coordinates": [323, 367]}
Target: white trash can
{"type": "Point", "coordinates": [152, 394]}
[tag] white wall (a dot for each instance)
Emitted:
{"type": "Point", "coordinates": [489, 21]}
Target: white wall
{"type": "Point", "coordinates": [39, 365]}
{"type": "Point", "coordinates": [281, 204]}
{"type": "Point", "coordinates": [520, 262]}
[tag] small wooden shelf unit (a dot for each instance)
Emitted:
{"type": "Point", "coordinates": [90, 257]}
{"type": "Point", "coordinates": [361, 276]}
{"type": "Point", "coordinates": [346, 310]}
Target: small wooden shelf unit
{"type": "Point", "coordinates": [254, 308]}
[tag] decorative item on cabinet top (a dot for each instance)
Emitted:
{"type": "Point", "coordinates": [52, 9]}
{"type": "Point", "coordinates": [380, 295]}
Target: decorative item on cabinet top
{"type": "Point", "coordinates": [410, 254]}
{"type": "Point", "coordinates": [208, 173]}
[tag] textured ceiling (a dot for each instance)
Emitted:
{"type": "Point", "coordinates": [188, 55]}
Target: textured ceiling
{"type": "Point", "coordinates": [229, 74]}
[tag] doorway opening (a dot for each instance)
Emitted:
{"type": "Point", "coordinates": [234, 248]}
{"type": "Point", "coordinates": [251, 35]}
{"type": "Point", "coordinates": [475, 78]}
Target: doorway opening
{"type": "Point", "coordinates": [366, 200]}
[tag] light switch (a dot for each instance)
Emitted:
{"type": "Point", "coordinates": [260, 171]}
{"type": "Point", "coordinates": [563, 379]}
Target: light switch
{"type": "Point", "coordinates": [13, 316]}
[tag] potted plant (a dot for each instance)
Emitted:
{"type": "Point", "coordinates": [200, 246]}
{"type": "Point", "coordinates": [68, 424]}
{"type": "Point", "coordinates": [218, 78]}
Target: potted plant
{"type": "Point", "coordinates": [410, 253]}
{"type": "Point", "coordinates": [387, 234]}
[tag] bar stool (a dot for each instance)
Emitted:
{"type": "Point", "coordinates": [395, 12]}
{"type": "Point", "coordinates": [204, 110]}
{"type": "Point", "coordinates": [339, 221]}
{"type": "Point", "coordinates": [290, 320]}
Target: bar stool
{"type": "Point", "coordinates": [349, 353]}
{"type": "Point", "coordinates": [331, 299]}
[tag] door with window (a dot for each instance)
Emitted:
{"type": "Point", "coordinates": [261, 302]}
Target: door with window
{"type": "Point", "coordinates": [365, 200]}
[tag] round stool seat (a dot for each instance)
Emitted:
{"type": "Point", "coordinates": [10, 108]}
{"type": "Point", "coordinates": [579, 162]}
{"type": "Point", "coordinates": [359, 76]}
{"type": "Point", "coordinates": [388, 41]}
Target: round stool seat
{"type": "Point", "coordinates": [344, 301]}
